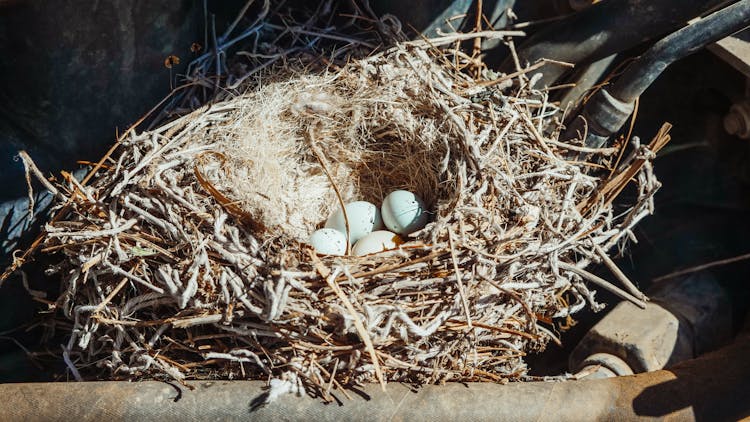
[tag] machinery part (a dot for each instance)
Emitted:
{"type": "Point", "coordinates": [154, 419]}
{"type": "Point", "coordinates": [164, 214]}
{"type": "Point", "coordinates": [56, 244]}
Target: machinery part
{"type": "Point", "coordinates": [604, 365]}
{"type": "Point", "coordinates": [644, 71]}
{"type": "Point", "coordinates": [737, 121]}
{"type": "Point", "coordinates": [585, 78]}
{"type": "Point", "coordinates": [708, 388]}
{"type": "Point", "coordinates": [603, 29]}
{"type": "Point", "coordinates": [685, 318]}
{"type": "Point", "coordinates": [606, 112]}
{"type": "Point", "coordinates": [602, 116]}
{"type": "Point", "coordinates": [735, 50]}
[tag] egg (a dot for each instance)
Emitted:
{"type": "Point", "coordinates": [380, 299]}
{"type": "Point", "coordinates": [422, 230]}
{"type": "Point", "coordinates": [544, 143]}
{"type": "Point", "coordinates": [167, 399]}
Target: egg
{"type": "Point", "coordinates": [328, 242]}
{"type": "Point", "coordinates": [364, 218]}
{"type": "Point", "coordinates": [377, 241]}
{"type": "Point", "coordinates": [403, 212]}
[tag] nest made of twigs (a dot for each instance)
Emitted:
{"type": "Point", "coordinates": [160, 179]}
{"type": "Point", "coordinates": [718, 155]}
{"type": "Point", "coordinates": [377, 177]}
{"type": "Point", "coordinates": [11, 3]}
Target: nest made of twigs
{"type": "Point", "coordinates": [185, 255]}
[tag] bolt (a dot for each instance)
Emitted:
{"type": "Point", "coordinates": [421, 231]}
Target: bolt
{"type": "Point", "coordinates": [732, 123]}
{"type": "Point", "coordinates": [737, 120]}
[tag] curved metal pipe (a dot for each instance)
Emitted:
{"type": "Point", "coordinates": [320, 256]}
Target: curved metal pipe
{"type": "Point", "coordinates": [609, 108]}
{"type": "Point", "coordinates": [713, 387]}
{"type": "Point", "coordinates": [605, 28]}
{"type": "Point", "coordinates": [643, 72]}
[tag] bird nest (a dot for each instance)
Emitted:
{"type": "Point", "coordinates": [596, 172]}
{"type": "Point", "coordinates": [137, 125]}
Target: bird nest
{"type": "Point", "coordinates": [185, 254]}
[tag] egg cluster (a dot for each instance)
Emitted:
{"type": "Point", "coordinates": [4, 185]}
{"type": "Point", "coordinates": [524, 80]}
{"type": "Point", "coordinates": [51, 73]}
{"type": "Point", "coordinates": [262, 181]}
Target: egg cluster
{"type": "Point", "coordinates": [401, 213]}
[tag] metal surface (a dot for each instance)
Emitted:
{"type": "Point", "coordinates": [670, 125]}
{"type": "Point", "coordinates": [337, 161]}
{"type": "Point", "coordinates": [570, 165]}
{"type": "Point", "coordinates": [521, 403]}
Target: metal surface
{"type": "Point", "coordinates": [585, 78]}
{"type": "Point", "coordinates": [604, 365]}
{"type": "Point", "coordinates": [737, 121]}
{"type": "Point", "coordinates": [608, 111]}
{"type": "Point", "coordinates": [602, 116]}
{"type": "Point", "coordinates": [685, 318]}
{"type": "Point", "coordinates": [603, 29]}
{"type": "Point", "coordinates": [77, 71]}
{"type": "Point", "coordinates": [734, 50]}
{"type": "Point", "coordinates": [640, 74]}
{"type": "Point", "coordinates": [713, 387]}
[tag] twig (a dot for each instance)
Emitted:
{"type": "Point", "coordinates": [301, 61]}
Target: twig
{"type": "Point", "coordinates": [324, 164]}
{"type": "Point", "coordinates": [603, 283]}
{"type": "Point", "coordinates": [29, 165]}
{"type": "Point", "coordinates": [702, 267]}
{"type": "Point", "coordinates": [451, 38]}
{"type": "Point", "coordinates": [331, 280]}
{"type": "Point", "coordinates": [477, 50]}
{"type": "Point", "coordinates": [459, 281]}
{"type": "Point", "coordinates": [88, 234]}
{"type": "Point", "coordinates": [234, 23]}
{"type": "Point", "coordinates": [616, 183]}
{"type": "Point", "coordinates": [618, 273]}
{"type": "Point", "coordinates": [571, 147]}
{"type": "Point", "coordinates": [111, 295]}
{"type": "Point", "coordinates": [516, 74]}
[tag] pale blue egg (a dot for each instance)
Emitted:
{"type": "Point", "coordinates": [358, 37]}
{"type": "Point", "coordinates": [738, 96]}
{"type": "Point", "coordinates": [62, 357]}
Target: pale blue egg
{"type": "Point", "coordinates": [403, 212]}
{"type": "Point", "coordinates": [328, 242]}
{"type": "Point", "coordinates": [364, 218]}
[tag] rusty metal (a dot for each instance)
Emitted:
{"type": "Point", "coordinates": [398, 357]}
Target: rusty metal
{"type": "Point", "coordinates": [713, 387]}
{"type": "Point", "coordinates": [686, 317]}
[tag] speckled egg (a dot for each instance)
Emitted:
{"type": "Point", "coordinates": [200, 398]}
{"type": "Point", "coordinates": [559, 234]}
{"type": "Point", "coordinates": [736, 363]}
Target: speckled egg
{"type": "Point", "coordinates": [377, 241]}
{"type": "Point", "coordinates": [403, 212]}
{"type": "Point", "coordinates": [328, 242]}
{"type": "Point", "coordinates": [364, 218]}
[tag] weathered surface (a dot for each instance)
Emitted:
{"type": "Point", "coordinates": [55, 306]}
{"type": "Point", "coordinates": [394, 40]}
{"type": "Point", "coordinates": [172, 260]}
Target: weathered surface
{"type": "Point", "coordinates": [686, 318]}
{"type": "Point", "coordinates": [735, 50]}
{"type": "Point", "coordinates": [714, 387]}
{"type": "Point", "coordinates": [75, 71]}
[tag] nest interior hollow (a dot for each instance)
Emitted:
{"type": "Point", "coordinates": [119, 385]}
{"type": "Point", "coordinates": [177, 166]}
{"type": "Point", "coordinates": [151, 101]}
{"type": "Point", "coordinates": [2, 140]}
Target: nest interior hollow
{"type": "Point", "coordinates": [369, 136]}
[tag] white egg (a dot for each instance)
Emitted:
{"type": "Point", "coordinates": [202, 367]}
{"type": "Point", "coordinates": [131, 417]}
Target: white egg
{"type": "Point", "coordinates": [328, 242]}
{"type": "Point", "coordinates": [403, 212]}
{"type": "Point", "coordinates": [364, 218]}
{"type": "Point", "coordinates": [377, 241]}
